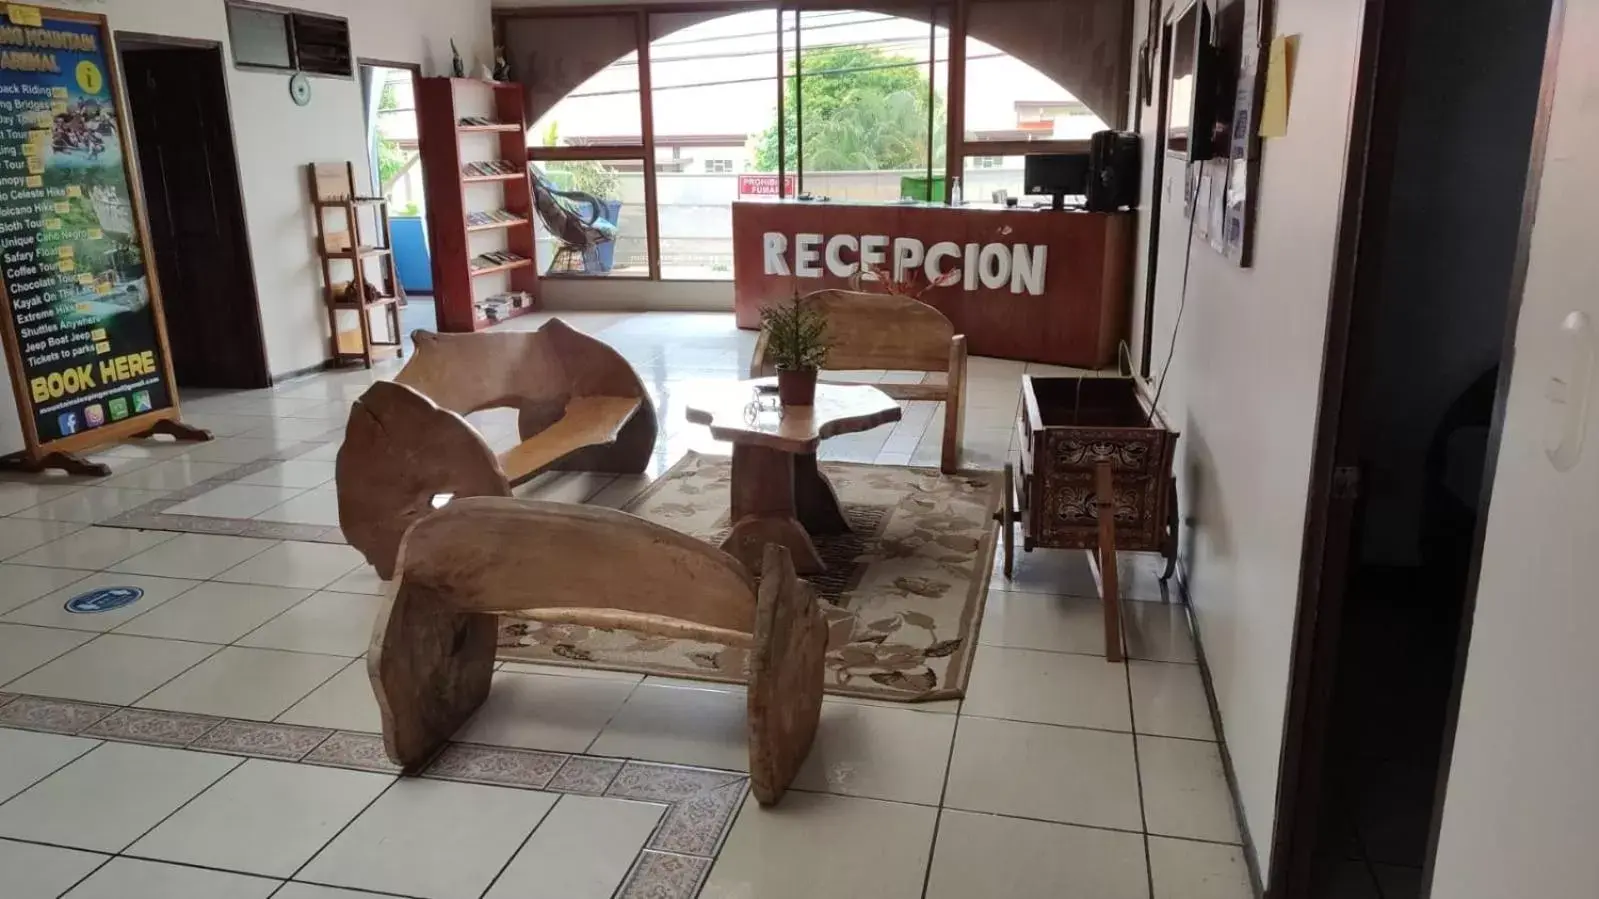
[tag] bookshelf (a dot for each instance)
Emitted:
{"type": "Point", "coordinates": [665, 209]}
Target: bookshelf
{"type": "Point", "coordinates": [472, 135]}
{"type": "Point", "coordinates": [332, 186]}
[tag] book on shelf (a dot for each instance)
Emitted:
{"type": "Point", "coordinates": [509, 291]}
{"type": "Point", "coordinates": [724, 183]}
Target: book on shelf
{"type": "Point", "coordinates": [492, 217]}
{"type": "Point", "coordinates": [489, 168]}
{"type": "Point", "coordinates": [495, 259]}
{"type": "Point", "coordinates": [493, 308]}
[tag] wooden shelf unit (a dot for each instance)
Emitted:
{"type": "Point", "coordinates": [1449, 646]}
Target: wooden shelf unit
{"type": "Point", "coordinates": [332, 190]}
{"type": "Point", "coordinates": [447, 147]}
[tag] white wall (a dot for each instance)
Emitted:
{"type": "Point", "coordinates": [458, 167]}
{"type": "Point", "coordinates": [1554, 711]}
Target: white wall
{"type": "Point", "coordinates": [1243, 391]}
{"type": "Point", "coordinates": [275, 139]}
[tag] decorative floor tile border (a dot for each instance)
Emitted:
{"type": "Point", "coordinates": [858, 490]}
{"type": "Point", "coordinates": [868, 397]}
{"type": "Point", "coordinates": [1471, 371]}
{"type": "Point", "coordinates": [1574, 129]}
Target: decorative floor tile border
{"type": "Point", "coordinates": [700, 803]}
{"type": "Point", "coordinates": [153, 515]}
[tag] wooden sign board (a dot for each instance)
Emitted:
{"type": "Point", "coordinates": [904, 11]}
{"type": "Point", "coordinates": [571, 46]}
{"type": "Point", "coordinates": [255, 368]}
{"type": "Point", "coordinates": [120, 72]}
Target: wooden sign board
{"type": "Point", "coordinates": [80, 311]}
{"type": "Point", "coordinates": [1035, 285]}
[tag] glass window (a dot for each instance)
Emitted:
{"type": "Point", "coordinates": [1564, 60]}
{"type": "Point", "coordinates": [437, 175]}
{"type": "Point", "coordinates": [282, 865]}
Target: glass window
{"type": "Point", "coordinates": [590, 218]}
{"type": "Point", "coordinates": [868, 104]}
{"type": "Point", "coordinates": [1009, 100]}
{"type": "Point", "coordinates": [259, 37]}
{"type": "Point", "coordinates": [696, 214]}
{"type": "Point", "coordinates": [714, 100]}
{"type": "Point", "coordinates": [983, 176]}
{"type": "Point", "coordinates": [858, 101]}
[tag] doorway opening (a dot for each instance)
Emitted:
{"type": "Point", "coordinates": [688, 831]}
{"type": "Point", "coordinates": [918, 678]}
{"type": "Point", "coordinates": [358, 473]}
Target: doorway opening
{"type": "Point", "coordinates": [183, 135]}
{"type": "Point", "coordinates": [1421, 323]}
{"type": "Point", "coordinates": [389, 92]}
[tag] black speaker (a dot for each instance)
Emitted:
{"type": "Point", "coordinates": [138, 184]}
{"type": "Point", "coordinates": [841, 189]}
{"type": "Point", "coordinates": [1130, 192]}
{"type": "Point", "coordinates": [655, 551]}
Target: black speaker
{"type": "Point", "coordinates": [1113, 163]}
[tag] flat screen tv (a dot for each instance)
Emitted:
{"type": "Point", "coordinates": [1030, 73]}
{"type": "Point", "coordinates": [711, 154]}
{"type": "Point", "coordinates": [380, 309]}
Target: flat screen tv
{"type": "Point", "coordinates": [1191, 89]}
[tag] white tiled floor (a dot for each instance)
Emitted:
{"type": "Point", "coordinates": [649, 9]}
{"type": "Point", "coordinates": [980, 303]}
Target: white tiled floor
{"type": "Point", "coordinates": [1058, 775]}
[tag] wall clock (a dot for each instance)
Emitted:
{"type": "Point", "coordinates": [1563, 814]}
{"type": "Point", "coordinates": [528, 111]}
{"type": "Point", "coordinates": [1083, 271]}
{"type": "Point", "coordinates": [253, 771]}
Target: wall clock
{"type": "Point", "coordinates": [300, 89]}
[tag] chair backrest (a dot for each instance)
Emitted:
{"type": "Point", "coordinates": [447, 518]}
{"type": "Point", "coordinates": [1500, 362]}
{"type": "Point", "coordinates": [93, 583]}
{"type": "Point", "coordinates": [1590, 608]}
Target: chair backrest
{"type": "Point", "coordinates": [465, 373]}
{"type": "Point", "coordinates": [492, 554]}
{"type": "Point", "coordinates": [871, 331]}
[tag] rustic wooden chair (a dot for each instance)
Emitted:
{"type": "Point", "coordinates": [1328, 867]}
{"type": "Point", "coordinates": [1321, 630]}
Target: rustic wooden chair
{"type": "Point", "coordinates": [871, 332]}
{"type": "Point", "coordinates": [407, 449]}
{"type": "Point", "coordinates": [475, 560]}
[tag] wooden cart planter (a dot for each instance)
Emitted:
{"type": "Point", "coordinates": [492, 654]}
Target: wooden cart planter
{"type": "Point", "coordinates": [1095, 473]}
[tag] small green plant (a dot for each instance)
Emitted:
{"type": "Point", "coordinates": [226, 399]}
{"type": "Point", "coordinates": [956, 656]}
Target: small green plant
{"type": "Point", "coordinates": [796, 335]}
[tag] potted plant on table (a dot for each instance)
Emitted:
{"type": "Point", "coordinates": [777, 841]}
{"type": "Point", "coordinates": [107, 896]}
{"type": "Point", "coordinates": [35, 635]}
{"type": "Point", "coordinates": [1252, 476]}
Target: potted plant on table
{"type": "Point", "coordinates": [796, 343]}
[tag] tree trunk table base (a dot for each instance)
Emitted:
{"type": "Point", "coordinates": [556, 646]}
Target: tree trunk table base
{"type": "Point", "coordinates": [779, 495]}
{"type": "Point", "coordinates": [781, 498]}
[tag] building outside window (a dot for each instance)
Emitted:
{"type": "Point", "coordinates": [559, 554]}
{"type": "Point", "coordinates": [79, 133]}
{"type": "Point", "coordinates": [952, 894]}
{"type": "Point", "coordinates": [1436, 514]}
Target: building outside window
{"type": "Point", "coordinates": [718, 166]}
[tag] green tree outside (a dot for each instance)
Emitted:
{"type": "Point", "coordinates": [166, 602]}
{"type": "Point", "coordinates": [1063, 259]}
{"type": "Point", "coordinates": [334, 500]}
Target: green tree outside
{"type": "Point", "coordinates": [865, 110]}
{"type": "Point", "coordinates": [392, 161]}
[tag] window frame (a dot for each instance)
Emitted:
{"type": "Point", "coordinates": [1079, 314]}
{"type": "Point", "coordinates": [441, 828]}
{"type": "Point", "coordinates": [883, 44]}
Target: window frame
{"type": "Point", "coordinates": [289, 15]}
{"type": "Point", "coordinates": [952, 15]}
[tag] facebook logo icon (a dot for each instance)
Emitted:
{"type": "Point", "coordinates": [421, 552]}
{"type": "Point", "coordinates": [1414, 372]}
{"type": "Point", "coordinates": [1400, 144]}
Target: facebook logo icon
{"type": "Point", "coordinates": [68, 423]}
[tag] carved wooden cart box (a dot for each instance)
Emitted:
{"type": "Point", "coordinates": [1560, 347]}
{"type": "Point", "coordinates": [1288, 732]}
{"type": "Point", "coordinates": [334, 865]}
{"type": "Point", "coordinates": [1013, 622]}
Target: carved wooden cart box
{"type": "Point", "coordinates": [1095, 473]}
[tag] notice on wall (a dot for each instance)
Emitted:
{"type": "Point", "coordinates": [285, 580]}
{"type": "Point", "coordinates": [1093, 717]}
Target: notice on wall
{"type": "Point", "coordinates": [79, 297]}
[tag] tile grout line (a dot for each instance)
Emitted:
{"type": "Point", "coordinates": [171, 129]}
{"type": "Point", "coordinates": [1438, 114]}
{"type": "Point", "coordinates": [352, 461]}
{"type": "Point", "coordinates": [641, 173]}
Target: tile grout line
{"type": "Point", "coordinates": [523, 844]}
{"type": "Point", "coordinates": [938, 816]}
{"type": "Point", "coordinates": [121, 853]}
{"type": "Point", "coordinates": [1103, 730]}
{"type": "Point", "coordinates": [109, 857]}
{"type": "Point", "coordinates": [1072, 652]}
{"type": "Point", "coordinates": [732, 779]}
{"type": "Point", "coordinates": [1138, 768]}
{"type": "Point", "coordinates": [325, 681]}
{"type": "Point", "coordinates": [340, 832]}
{"type": "Point", "coordinates": [612, 717]}
{"type": "Point", "coordinates": [54, 771]}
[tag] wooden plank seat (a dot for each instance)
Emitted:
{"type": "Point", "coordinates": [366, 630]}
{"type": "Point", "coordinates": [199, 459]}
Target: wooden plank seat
{"type": "Point", "coordinates": [872, 332]}
{"type": "Point", "coordinates": [408, 448]}
{"type": "Point", "coordinates": [433, 644]}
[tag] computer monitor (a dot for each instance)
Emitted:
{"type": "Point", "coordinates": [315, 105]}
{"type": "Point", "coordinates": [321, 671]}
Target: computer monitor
{"type": "Point", "coordinates": [1056, 175]}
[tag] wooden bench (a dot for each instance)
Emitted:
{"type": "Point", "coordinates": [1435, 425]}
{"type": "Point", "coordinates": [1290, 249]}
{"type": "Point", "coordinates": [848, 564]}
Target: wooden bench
{"type": "Point", "coordinates": [407, 449]}
{"type": "Point", "coordinates": [475, 560]}
{"type": "Point", "coordinates": [871, 332]}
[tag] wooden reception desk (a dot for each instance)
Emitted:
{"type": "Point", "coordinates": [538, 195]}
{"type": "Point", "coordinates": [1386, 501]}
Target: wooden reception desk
{"type": "Point", "coordinates": [1036, 285]}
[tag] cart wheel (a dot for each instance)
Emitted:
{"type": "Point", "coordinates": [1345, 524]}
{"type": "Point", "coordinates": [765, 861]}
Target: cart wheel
{"type": "Point", "coordinates": [1173, 520]}
{"type": "Point", "coordinates": [1008, 521]}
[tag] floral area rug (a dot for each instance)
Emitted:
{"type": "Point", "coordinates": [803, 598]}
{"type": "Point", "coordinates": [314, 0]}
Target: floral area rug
{"type": "Point", "coordinates": [903, 594]}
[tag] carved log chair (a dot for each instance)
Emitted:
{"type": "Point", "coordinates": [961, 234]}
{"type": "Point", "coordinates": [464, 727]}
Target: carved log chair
{"type": "Point", "coordinates": [407, 449]}
{"type": "Point", "coordinates": [871, 332]}
{"type": "Point", "coordinates": [463, 567]}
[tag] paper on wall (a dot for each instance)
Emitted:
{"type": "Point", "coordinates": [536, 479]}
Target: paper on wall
{"type": "Point", "coordinates": [1279, 86]}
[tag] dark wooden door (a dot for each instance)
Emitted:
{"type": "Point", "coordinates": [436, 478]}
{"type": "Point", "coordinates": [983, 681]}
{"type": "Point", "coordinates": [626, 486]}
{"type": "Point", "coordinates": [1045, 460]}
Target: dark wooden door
{"type": "Point", "coordinates": [184, 138]}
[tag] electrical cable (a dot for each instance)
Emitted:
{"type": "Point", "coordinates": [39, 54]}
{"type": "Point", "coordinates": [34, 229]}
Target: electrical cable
{"type": "Point", "coordinates": [664, 42]}
{"type": "Point", "coordinates": [826, 73]}
{"type": "Point", "coordinates": [1192, 206]}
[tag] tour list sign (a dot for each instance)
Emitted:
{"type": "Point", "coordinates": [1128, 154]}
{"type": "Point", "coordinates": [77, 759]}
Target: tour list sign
{"type": "Point", "coordinates": [75, 277]}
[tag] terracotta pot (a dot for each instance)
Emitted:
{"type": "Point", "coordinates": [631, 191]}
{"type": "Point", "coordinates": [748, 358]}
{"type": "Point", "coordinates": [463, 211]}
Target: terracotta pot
{"type": "Point", "coordinates": [796, 387]}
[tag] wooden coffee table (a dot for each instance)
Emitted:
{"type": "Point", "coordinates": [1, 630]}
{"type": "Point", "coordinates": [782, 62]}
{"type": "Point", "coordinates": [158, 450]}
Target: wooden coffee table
{"type": "Point", "coordinates": [779, 495]}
